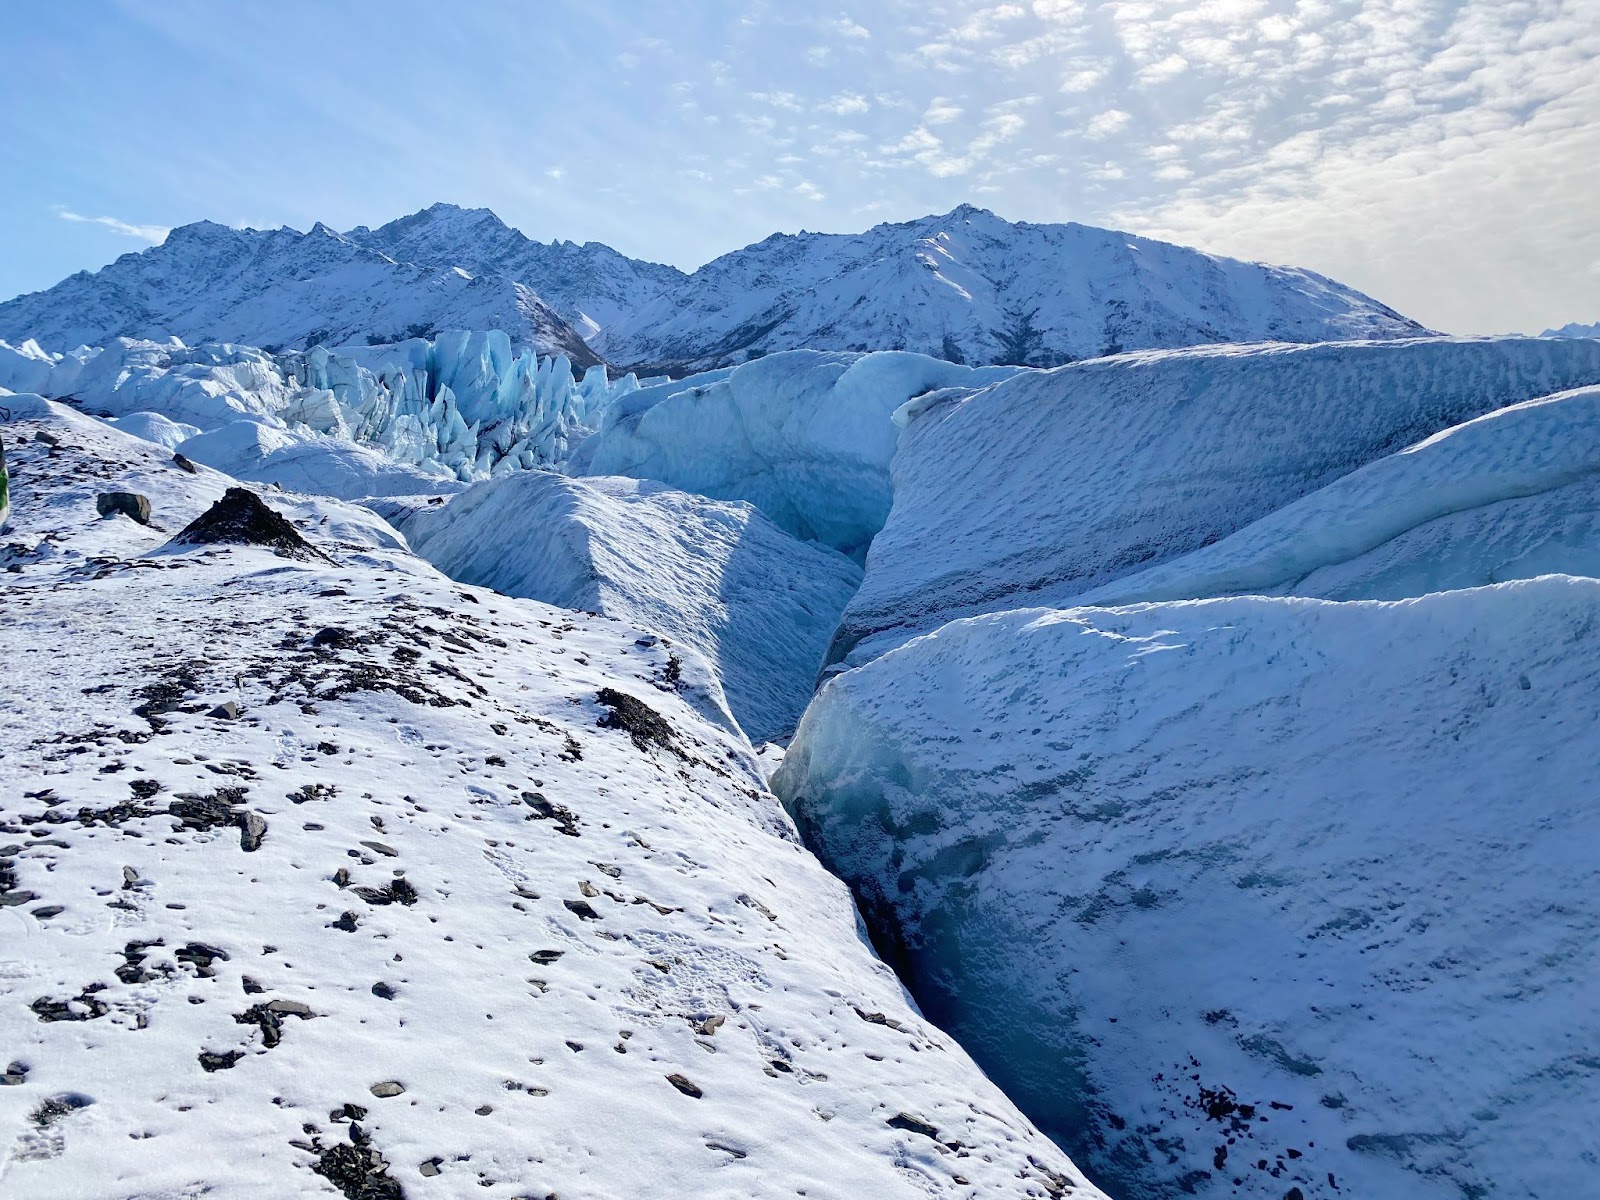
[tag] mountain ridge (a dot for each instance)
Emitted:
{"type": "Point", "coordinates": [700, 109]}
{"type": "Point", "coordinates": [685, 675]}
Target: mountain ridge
{"type": "Point", "coordinates": [967, 286]}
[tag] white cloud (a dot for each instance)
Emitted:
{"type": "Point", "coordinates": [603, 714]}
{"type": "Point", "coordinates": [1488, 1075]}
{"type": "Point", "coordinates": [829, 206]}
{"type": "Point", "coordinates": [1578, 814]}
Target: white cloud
{"type": "Point", "coordinates": [845, 104]}
{"type": "Point", "coordinates": [1103, 125]}
{"type": "Point", "coordinates": [942, 112]}
{"type": "Point", "coordinates": [144, 233]}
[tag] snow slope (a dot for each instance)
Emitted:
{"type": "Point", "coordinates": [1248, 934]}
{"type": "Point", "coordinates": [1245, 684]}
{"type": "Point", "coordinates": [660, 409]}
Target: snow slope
{"type": "Point", "coordinates": [280, 288]}
{"type": "Point", "coordinates": [464, 898]}
{"type": "Point", "coordinates": [804, 436]}
{"type": "Point", "coordinates": [1511, 495]}
{"type": "Point", "coordinates": [970, 286]}
{"type": "Point", "coordinates": [590, 285]}
{"type": "Point", "coordinates": [1048, 485]}
{"type": "Point", "coordinates": [710, 574]}
{"type": "Point", "coordinates": [1253, 897]}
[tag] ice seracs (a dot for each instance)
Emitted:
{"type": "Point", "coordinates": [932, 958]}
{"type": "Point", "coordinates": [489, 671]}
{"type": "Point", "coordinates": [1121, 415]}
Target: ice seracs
{"type": "Point", "coordinates": [715, 576]}
{"type": "Point", "coordinates": [1257, 897]}
{"type": "Point", "coordinates": [458, 407]}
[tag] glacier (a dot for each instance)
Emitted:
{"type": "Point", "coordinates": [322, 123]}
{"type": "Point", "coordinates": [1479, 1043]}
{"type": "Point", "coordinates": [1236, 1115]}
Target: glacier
{"type": "Point", "coordinates": [1513, 494]}
{"type": "Point", "coordinates": [328, 869]}
{"type": "Point", "coordinates": [1036, 490]}
{"type": "Point", "coordinates": [806, 436]}
{"type": "Point", "coordinates": [712, 575]}
{"type": "Point", "coordinates": [1253, 897]}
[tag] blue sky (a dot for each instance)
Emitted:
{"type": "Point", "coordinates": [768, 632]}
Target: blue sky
{"type": "Point", "coordinates": [1443, 156]}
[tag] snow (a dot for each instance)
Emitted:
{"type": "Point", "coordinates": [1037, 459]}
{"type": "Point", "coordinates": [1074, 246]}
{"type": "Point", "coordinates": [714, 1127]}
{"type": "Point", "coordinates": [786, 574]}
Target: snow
{"type": "Point", "coordinates": [970, 286]}
{"type": "Point", "coordinates": [157, 428]}
{"type": "Point", "coordinates": [280, 288]}
{"type": "Point", "coordinates": [805, 436]}
{"type": "Point", "coordinates": [590, 285]}
{"type": "Point", "coordinates": [1511, 495]}
{"type": "Point", "coordinates": [1050, 484]}
{"type": "Point", "coordinates": [712, 575]}
{"type": "Point", "coordinates": [1332, 861]}
{"type": "Point", "coordinates": [647, 914]}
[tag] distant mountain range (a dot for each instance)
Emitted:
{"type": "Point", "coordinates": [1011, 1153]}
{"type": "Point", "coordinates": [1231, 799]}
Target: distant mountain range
{"type": "Point", "coordinates": [967, 286]}
{"type": "Point", "coordinates": [1574, 330]}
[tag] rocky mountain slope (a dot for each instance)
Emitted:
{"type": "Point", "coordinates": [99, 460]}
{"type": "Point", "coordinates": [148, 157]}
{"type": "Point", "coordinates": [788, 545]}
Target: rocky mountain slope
{"type": "Point", "coordinates": [972, 287]}
{"type": "Point", "coordinates": [323, 875]}
{"type": "Point", "coordinates": [280, 288]}
{"type": "Point", "coordinates": [966, 286]}
{"type": "Point", "coordinates": [590, 285]}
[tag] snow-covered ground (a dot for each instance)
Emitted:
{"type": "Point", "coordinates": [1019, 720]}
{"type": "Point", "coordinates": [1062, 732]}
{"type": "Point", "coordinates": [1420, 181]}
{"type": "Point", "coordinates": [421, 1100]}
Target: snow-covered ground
{"type": "Point", "coordinates": [714, 575]}
{"type": "Point", "coordinates": [1047, 485]}
{"type": "Point", "coordinates": [322, 874]}
{"type": "Point", "coordinates": [805, 436]}
{"type": "Point", "coordinates": [970, 286]}
{"type": "Point", "coordinates": [1255, 897]}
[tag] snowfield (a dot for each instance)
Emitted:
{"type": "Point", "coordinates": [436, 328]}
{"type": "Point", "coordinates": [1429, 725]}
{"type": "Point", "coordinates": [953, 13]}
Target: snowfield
{"type": "Point", "coordinates": [1254, 897]}
{"type": "Point", "coordinates": [1053, 483]}
{"type": "Point", "coordinates": [716, 576]}
{"type": "Point", "coordinates": [321, 874]}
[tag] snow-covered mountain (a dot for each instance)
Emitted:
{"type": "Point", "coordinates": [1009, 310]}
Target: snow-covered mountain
{"type": "Point", "coordinates": [972, 287]}
{"type": "Point", "coordinates": [590, 285]}
{"type": "Point", "coordinates": [1574, 330]}
{"type": "Point", "coordinates": [281, 288]}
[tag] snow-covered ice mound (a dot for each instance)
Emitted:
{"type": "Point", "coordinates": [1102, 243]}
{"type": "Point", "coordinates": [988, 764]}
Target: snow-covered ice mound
{"type": "Point", "coordinates": [299, 460]}
{"type": "Point", "coordinates": [340, 878]}
{"type": "Point", "coordinates": [804, 436]}
{"type": "Point", "coordinates": [1510, 495]}
{"type": "Point", "coordinates": [1045, 486]}
{"type": "Point", "coordinates": [712, 574]}
{"type": "Point", "coordinates": [1252, 897]}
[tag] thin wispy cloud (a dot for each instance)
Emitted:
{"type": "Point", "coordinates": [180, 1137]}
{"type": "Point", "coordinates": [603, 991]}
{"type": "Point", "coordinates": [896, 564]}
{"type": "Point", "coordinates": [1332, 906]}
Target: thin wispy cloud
{"type": "Point", "coordinates": [154, 234]}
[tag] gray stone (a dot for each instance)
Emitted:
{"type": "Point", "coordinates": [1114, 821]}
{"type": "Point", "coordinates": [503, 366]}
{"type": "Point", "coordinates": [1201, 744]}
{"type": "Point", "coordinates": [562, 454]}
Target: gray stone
{"type": "Point", "coordinates": [252, 831]}
{"type": "Point", "coordinates": [387, 1088]}
{"type": "Point", "coordinates": [129, 504]}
